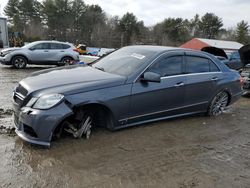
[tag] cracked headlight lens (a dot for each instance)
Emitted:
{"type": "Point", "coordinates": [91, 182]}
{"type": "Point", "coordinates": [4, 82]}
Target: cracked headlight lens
{"type": "Point", "coordinates": [47, 101]}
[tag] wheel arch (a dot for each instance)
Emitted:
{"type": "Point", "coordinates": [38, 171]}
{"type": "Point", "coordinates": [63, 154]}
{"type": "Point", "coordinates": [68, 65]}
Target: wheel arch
{"type": "Point", "coordinates": [227, 90]}
{"type": "Point", "coordinates": [229, 93]}
{"type": "Point", "coordinates": [103, 113]}
{"type": "Point", "coordinates": [66, 56]}
{"type": "Point", "coordinates": [101, 108]}
{"type": "Point", "coordinates": [22, 55]}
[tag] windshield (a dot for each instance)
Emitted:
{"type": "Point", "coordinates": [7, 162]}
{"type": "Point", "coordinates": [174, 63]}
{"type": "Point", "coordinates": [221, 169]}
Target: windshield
{"type": "Point", "coordinates": [124, 62]}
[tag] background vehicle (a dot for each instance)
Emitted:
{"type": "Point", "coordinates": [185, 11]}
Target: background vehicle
{"type": "Point", "coordinates": [245, 74]}
{"type": "Point", "coordinates": [131, 86]}
{"type": "Point", "coordinates": [40, 53]}
{"type": "Point", "coordinates": [222, 59]}
{"type": "Point", "coordinates": [82, 49]}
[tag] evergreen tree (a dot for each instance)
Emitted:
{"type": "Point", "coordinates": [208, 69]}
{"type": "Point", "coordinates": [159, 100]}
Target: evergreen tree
{"type": "Point", "coordinates": [241, 33]}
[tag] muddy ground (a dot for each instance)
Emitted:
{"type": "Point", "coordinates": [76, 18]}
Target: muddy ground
{"type": "Point", "coordinates": [186, 152]}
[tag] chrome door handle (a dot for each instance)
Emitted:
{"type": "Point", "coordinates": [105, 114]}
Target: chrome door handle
{"type": "Point", "coordinates": [179, 84]}
{"type": "Point", "coordinates": [46, 50]}
{"type": "Point", "coordinates": [214, 78]}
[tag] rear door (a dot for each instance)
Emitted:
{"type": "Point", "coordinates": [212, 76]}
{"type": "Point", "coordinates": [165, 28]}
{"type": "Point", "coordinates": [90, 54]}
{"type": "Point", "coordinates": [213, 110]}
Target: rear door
{"type": "Point", "coordinates": [151, 100]}
{"type": "Point", "coordinates": [203, 76]}
{"type": "Point", "coordinates": [57, 51]}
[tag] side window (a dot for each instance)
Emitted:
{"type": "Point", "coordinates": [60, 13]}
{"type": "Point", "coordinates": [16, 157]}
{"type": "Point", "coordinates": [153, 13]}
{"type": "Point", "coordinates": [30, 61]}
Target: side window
{"type": "Point", "coordinates": [55, 46]}
{"type": "Point", "coordinates": [168, 66]}
{"type": "Point", "coordinates": [42, 46]}
{"type": "Point", "coordinates": [65, 46]}
{"type": "Point", "coordinates": [197, 64]}
{"type": "Point", "coordinates": [213, 67]}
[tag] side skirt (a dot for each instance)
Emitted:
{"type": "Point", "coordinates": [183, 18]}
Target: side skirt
{"type": "Point", "coordinates": [157, 119]}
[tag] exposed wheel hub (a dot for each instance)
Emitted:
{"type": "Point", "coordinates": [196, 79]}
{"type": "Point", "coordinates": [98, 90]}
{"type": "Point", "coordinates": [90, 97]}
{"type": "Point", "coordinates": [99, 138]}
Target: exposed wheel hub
{"type": "Point", "coordinates": [83, 129]}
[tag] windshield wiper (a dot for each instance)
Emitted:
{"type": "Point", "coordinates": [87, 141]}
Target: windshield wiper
{"type": "Point", "coordinates": [100, 68]}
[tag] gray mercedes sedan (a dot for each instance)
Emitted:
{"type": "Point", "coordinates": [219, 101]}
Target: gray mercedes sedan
{"type": "Point", "coordinates": [131, 86]}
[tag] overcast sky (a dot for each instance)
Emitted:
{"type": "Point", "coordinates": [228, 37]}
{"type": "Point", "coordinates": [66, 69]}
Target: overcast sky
{"type": "Point", "coordinates": [152, 12]}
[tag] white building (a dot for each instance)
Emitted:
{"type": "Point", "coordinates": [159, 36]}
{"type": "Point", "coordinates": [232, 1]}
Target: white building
{"type": "Point", "coordinates": [199, 43]}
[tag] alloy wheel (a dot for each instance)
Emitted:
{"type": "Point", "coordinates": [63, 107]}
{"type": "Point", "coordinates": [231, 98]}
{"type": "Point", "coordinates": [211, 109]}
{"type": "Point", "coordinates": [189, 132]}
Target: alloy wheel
{"type": "Point", "coordinates": [19, 62]}
{"type": "Point", "coordinates": [219, 103]}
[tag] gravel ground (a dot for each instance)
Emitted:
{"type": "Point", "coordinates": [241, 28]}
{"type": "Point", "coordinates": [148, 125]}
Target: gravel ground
{"type": "Point", "coordinates": [186, 152]}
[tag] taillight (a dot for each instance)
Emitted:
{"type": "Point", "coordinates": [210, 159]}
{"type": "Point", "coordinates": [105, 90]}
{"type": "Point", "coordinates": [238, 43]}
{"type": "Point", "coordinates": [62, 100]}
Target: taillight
{"type": "Point", "coordinates": [75, 49]}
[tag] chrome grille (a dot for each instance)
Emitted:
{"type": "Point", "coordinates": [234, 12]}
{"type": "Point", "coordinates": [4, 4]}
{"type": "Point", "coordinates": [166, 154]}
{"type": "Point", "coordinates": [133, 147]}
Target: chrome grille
{"type": "Point", "coordinates": [19, 94]}
{"type": "Point", "coordinates": [20, 89]}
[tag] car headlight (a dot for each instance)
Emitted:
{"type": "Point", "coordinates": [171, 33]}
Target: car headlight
{"type": "Point", "coordinates": [47, 101]}
{"type": "Point", "coordinates": [4, 53]}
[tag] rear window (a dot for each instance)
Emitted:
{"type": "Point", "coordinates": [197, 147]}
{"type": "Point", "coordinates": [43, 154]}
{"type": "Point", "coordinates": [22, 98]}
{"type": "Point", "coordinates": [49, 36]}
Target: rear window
{"type": "Point", "coordinates": [199, 65]}
{"type": "Point", "coordinates": [213, 67]}
{"type": "Point", "coordinates": [196, 64]}
{"type": "Point", "coordinates": [65, 46]}
{"type": "Point", "coordinates": [55, 46]}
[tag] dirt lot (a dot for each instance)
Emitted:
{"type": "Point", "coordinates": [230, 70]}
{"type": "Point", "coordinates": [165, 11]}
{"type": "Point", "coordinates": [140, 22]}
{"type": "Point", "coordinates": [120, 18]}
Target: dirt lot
{"type": "Point", "coordinates": [186, 152]}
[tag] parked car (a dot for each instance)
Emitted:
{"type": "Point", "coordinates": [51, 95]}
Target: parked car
{"type": "Point", "coordinates": [245, 74]}
{"type": "Point", "coordinates": [81, 49]}
{"type": "Point", "coordinates": [222, 59]}
{"type": "Point", "coordinates": [232, 63]}
{"type": "Point", "coordinates": [131, 86]}
{"type": "Point", "coordinates": [244, 53]}
{"type": "Point", "coordinates": [39, 53]}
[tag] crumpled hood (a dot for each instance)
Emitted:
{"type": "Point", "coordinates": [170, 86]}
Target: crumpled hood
{"type": "Point", "coordinates": [69, 80]}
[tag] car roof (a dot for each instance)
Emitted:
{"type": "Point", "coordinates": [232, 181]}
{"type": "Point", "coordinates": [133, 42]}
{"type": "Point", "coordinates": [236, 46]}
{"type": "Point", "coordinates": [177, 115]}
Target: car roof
{"type": "Point", "coordinates": [154, 48]}
{"type": "Point", "coordinates": [50, 41]}
{"type": "Point", "coordinates": [161, 49]}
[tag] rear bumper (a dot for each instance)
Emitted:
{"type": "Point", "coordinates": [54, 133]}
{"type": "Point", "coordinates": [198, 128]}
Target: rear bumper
{"type": "Point", "coordinates": [235, 97]}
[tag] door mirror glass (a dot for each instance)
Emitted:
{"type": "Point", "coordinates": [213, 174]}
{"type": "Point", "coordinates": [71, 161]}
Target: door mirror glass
{"type": "Point", "coordinates": [151, 77]}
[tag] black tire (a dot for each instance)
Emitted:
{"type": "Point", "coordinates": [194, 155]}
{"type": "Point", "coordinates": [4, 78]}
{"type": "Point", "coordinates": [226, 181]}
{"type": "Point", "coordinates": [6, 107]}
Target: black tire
{"type": "Point", "coordinates": [19, 62]}
{"type": "Point", "coordinates": [218, 104]}
{"type": "Point", "coordinates": [66, 61]}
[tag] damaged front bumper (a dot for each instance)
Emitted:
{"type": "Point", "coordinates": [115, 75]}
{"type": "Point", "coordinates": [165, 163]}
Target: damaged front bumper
{"type": "Point", "coordinates": [37, 126]}
{"type": "Point", "coordinates": [5, 61]}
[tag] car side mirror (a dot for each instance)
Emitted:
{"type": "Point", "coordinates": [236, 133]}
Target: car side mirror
{"type": "Point", "coordinates": [151, 77]}
{"type": "Point", "coordinates": [31, 49]}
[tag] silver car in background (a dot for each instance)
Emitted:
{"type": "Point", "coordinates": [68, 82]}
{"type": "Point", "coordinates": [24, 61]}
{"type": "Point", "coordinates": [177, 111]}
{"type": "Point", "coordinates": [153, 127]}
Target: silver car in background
{"type": "Point", "coordinates": [40, 53]}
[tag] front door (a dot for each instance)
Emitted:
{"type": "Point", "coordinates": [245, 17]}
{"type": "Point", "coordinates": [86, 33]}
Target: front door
{"type": "Point", "coordinates": [150, 100]}
{"type": "Point", "coordinates": [40, 53]}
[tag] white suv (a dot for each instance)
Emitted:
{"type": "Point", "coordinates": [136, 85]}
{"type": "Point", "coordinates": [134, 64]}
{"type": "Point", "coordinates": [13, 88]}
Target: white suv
{"type": "Point", "coordinates": [40, 53]}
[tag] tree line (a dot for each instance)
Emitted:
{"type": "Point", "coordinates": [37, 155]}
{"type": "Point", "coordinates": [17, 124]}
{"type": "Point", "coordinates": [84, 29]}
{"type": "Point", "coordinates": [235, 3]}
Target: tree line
{"type": "Point", "coordinates": [76, 22]}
